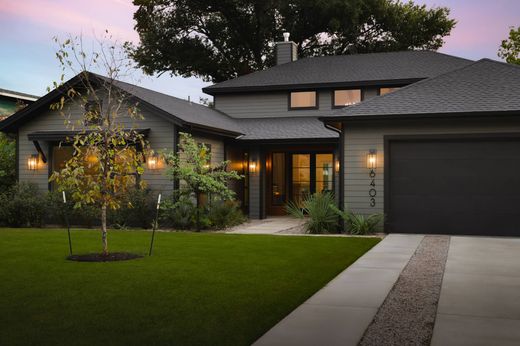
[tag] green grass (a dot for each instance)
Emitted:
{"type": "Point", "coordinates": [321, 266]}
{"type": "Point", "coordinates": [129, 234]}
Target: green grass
{"type": "Point", "coordinates": [197, 289]}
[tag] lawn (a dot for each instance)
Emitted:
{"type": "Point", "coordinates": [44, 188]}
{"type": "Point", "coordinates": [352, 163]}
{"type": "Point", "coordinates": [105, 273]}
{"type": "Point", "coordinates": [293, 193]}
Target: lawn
{"type": "Point", "coordinates": [197, 289]}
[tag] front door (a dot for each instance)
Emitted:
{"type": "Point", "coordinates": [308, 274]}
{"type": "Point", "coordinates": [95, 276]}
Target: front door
{"type": "Point", "coordinates": [293, 176]}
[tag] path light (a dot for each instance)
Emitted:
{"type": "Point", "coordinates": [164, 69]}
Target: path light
{"type": "Point", "coordinates": [372, 159]}
{"type": "Point", "coordinates": [32, 162]}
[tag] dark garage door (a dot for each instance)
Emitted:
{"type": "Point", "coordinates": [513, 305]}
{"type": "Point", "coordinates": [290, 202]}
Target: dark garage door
{"type": "Point", "coordinates": [469, 186]}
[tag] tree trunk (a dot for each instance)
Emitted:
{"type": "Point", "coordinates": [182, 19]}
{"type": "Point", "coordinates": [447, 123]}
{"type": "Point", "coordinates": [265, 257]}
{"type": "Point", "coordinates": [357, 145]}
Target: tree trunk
{"type": "Point", "coordinates": [104, 229]}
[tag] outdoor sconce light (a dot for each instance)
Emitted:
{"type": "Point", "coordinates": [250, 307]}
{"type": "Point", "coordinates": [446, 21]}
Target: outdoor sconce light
{"type": "Point", "coordinates": [153, 162]}
{"type": "Point", "coordinates": [337, 166]}
{"type": "Point", "coordinates": [32, 162]}
{"type": "Point", "coordinates": [372, 159]}
{"type": "Point", "coordinates": [252, 167]}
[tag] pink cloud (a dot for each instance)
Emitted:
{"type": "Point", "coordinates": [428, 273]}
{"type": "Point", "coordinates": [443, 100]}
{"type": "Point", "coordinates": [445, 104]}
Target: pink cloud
{"type": "Point", "coordinates": [86, 17]}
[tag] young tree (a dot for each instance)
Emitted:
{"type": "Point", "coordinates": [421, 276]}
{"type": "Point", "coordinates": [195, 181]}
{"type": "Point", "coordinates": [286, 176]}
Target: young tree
{"type": "Point", "coordinates": [510, 49]}
{"type": "Point", "coordinates": [191, 165]}
{"type": "Point", "coordinates": [221, 39]}
{"type": "Point", "coordinates": [108, 150]}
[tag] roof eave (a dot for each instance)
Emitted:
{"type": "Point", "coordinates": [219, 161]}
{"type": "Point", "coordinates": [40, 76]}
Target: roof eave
{"type": "Point", "coordinates": [411, 116]}
{"type": "Point", "coordinates": [215, 90]}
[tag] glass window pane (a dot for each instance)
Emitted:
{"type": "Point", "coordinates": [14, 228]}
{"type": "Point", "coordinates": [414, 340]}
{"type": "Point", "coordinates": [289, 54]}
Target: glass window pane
{"type": "Point", "coordinates": [60, 155]}
{"type": "Point", "coordinates": [347, 97]}
{"type": "Point", "coordinates": [301, 160]}
{"type": "Point", "coordinates": [383, 91]}
{"type": "Point", "coordinates": [303, 99]}
{"type": "Point", "coordinates": [324, 172]}
{"type": "Point", "coordinates": [300, 191]}
{"type": "Point", "coordinates": [278, 184]}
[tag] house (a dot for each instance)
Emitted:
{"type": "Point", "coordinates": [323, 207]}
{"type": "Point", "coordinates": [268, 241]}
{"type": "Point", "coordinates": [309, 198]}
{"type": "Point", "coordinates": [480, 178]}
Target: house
{"type": "Point", "coordinates": [11, 100]}
{"type": "Point", "coordinates": [427, 138]}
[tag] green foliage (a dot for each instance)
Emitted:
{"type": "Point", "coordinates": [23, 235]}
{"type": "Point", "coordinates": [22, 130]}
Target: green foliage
{"type": "Point", "coordinates": [360, 224]}
{"type": "Point", "coordinates": [7, 162]}
{"type": "Point", "coordinates": [221, 39]}
{"type": "Point", "coordinates": [192, 167]}
{"type": "Point", "coordinates": [137, 210]}
{"type": "Point", "coordinates": [180, 212]}
{"type": "Point", "coordinates": [225, 214]}
{"type": "Point", "coordinates": [510, 49]}
{"type": "Point", "coordinates": [22, 206]}
{"type": "Point", "coordinates": [319, 207]}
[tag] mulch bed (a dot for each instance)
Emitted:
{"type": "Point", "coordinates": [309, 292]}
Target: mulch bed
{"type": "Point", "coordinates": [407, 316]}
{"type": "Point", "coordinates": [99, 257]}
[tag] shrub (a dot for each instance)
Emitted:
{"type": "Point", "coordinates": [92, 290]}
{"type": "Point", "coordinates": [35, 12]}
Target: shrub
{"type": "Point", "coordinates": [178, 212]}
{"type": "Point", "coordinates": [225, 214]}
{"type": "Point", "coordinates": [22, 206]}
{"type": "Point", "coordinates": [137, 210]}
{"type": "Point", "coordinates": [320, 209]}
{"type": "Point", "coordinates": [360, 224]}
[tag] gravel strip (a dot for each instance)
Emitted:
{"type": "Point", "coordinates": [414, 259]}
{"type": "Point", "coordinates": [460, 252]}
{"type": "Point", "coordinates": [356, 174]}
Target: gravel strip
{"type": "Point", "coordinates": [407, 315]}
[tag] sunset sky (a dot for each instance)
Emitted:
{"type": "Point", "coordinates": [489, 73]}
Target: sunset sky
{"type": "Point", "coordinates": [27, 62]}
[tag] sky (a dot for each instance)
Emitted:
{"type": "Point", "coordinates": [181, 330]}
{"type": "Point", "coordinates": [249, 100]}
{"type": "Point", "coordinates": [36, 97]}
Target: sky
{"type": "Point", "coordinates": [28, 64]}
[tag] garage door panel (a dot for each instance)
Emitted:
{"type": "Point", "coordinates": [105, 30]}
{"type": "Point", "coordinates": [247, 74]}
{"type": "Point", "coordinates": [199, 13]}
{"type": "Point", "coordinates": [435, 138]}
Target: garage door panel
{"type": "Point", "coordinates": [454, 186]}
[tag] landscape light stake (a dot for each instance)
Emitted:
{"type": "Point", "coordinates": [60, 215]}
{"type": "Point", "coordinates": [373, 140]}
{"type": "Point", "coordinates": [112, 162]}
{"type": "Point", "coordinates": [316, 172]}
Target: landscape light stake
{"type": "Point", "coordinates": [155, 223]}
{"type": "Point", "coordinates": [67, 221]}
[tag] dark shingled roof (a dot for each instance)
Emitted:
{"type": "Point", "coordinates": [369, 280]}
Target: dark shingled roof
{"type": "Point", "coordinates": [285, 128]}
{"type": "Point", "coordinates": [345, 70]}
{"type": "Point", "coordinates": [189, 112]}
{"type": "Point", "coordinates": [485, 87]}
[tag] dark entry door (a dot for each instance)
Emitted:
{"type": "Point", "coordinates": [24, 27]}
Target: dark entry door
{"type": "Point", "coordinates": [445, 186]}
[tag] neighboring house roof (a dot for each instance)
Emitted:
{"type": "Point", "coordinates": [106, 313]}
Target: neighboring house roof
{"type": "Point", "coordinates": [17, 95]}
{"type": "Point", "coordinates": [344, 70]}
{"type": "Point", "coordinates": [485, 87]}
{"type": "Point", "coordinates": [285, 128]}
{"type": "Point", "coordinates": [175, 109]}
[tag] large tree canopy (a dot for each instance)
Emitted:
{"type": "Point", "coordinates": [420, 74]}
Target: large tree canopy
{"type": "Point", "coordinates": [222, 39]}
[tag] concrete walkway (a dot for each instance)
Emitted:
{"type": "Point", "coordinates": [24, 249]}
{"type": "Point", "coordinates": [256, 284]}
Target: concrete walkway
{"type": "Point", "coordinates": [480, 296]}
{"type": "Point", "coordinates": [340, 312]}
{"type": "Point", "coordinates": [271, 225]}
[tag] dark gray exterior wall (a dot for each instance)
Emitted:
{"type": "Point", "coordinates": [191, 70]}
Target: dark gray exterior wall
{"type": "Point", "coordinates": [161, 136]}
{"type": "Point", "coordinates": [360, 138]}
{"type": "Point", "coordinates": [276, 104]}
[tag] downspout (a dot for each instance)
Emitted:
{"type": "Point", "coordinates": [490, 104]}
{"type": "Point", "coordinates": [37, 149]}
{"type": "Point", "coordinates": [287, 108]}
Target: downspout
{"type": "Point", "coordinates": [341, 164]}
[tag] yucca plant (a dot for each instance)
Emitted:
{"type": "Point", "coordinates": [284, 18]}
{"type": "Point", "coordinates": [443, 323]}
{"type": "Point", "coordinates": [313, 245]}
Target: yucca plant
{"type": "Point", "coordinates": [358, 223]}
{"type": "Point", "coordinates": [319, 209]}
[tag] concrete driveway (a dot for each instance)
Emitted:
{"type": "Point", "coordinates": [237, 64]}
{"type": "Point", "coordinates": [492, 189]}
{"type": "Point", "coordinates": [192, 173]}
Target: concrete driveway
{"type": "Point", "coordinates": [478, 302]}
{"type": "Point", "coordinates": [480, 296]}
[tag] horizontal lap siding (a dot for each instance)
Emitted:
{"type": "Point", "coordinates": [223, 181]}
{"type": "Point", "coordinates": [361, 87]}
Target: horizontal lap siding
{"type": "Point", "coordinates": [217, 148]}
{"type": "Point", "coordinates": [275, 104]}
{"type": "Point", "coordinates": [161, 137]}
{"type": "Point", "coordinates": [359, 139]}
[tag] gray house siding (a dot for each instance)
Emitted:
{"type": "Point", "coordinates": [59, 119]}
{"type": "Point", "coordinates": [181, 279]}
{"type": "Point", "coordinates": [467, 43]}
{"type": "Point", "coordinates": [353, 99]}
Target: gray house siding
{"type": "Point", "coordinates": [359, 139]}
{"type": "Point", "coordinates": [217, 147]}
{"type": "Point", "coordinates": [255, 188]}
{"type": "Point", "coordinates": [275, 104]}
{"type": "Point", "coordinates": [161, 136]}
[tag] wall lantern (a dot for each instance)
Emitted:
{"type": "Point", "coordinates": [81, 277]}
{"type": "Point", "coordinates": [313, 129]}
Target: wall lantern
{"type": "Point", "coordinates": [32, 162]}
{"type": "Point", "coordinates": [153, 162]}
{"type": "Point", "coordinates": [372, 159]}
{"type": "Point", "coordinates": [252, 167]}
{"type": "Point", "coordinates": [337, 166]}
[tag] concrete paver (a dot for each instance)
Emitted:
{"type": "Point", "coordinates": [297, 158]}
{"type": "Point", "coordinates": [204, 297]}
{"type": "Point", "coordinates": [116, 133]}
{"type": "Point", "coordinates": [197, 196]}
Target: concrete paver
{"type": "Point", "coordinates": [480, 296]}
{"type": "Point", "coordinates": [340, 312]}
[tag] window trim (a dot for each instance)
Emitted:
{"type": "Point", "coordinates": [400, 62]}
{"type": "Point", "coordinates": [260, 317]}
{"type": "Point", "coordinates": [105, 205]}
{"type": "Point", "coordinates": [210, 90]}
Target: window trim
{"type": "Point", "coordinates": [333, 96]}
{"type": "Point", "coordinates": [291, 108]}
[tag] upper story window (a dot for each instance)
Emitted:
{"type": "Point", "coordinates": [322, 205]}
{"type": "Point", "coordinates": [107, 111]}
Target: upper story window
{"type": "Point", "coordinates": [384, 91]}
{"type": "Point", "coordinates": [344, 98]}
{"type": "Point", "coordinates": [303, 100]}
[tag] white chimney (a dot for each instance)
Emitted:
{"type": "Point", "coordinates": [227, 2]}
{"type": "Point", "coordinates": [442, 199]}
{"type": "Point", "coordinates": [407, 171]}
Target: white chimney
{"type": "Point", "coordinates": [286, 51]}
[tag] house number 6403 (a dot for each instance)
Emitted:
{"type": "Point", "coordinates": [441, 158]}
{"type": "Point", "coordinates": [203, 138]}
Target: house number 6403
{"type": "Point", "coordinates": [372, 192]}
